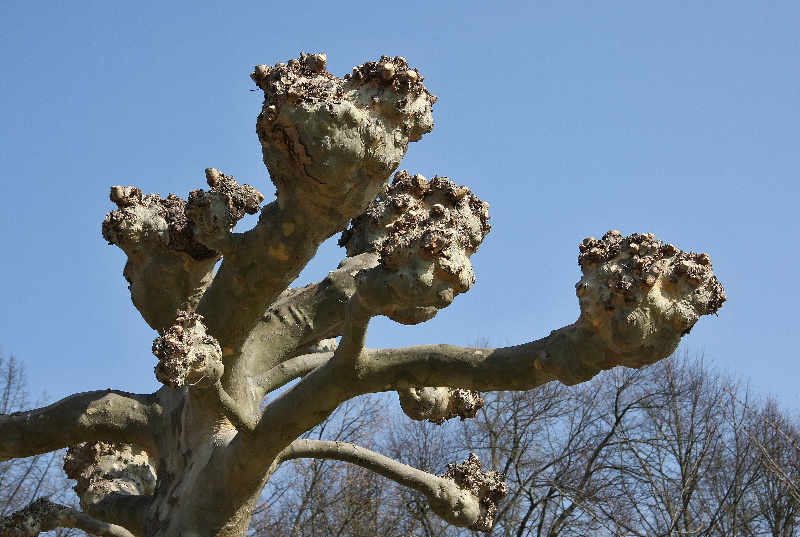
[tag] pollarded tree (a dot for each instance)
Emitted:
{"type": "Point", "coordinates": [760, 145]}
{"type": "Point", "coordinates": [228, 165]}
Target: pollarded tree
{"type": "Point", "coordinates": [192, 458]}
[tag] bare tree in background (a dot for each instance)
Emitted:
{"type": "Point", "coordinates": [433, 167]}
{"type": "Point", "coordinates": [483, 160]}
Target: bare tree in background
{"type": "Point", "coordinates": [775, 439]}
{"type": "Point", "coordinates": [24, 480]}
{"type": "Point", "coordinates": [322, 498]}
{"type": "Point", "coordinates": [560, 450]}
{"type": "Point", "coordinates": [674, 449]}
{"type": "Point", "coordinates": [193, 458]}
{"type": "Point", "coordinates": [663, 451]}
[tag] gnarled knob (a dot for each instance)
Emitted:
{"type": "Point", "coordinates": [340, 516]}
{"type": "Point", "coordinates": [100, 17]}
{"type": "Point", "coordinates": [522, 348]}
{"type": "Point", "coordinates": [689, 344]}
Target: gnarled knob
{"type": "Point", "coordinates": [331, 142]}
{"type": "Point", "coordinates": [187, 356]}
{"type": "Point", "coordinates": [425, 232]}
{"type": "Point", "coordinates": [641, 295]}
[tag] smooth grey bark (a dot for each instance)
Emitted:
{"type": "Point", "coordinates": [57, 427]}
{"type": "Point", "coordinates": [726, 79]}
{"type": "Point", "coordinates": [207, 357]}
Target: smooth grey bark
{"type": "Point", "coordinates": [114, 416]}
{"type": "Point", "coordinates": [229, 338]}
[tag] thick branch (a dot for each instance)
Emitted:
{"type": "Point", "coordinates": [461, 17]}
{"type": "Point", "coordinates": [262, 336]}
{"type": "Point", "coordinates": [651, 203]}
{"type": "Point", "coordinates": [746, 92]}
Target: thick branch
{"type": "Point", "coordinates": [512, 368]}
{"type": "Point", "coordinates": [236, 413]}
{"type": "Point", "coordinates": [454, 504]}
{"type": "Point", "coordinates": [122, 510]}
{"type": "Point", "coordinates": [354, 334]}
{"type": "Point", "coordinates": [572, 354]}
{"type": "Point", "coordinates": [423, 232]}
{"type": "Point", "coordinates": [300, 318]}
{"type": "Point", "coordinates": [93, 526]}
{"type": "Point", "coordinates": [259, 265]}
{"type": "Point", "coordinates": [322, 390]}
{"type": "Point", "coordinates": [44, 515]}
{"type": "Point", "coordinates": [100, 415]}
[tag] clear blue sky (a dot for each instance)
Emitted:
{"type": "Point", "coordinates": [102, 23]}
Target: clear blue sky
{"type": "Point", "coordinates": [570, 118]}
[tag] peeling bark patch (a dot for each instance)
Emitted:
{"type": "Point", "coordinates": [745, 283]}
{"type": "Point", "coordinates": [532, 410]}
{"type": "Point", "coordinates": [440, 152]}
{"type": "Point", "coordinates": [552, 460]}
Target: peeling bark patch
{"type": "Point", "coordinates": [279, 252]}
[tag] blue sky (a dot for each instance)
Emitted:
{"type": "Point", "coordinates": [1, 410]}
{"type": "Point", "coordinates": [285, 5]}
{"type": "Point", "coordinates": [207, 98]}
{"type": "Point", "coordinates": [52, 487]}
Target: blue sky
{"type": "Point", "coordinates": [569, 118]}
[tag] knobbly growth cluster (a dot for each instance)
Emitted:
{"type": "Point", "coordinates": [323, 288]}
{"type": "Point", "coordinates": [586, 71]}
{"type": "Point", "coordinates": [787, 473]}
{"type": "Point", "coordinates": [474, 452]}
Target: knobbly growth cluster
{"type": "Point", "coordinates": [488, 486]}
{"type": "Point", "coordinates": [249, 364]}
{"type": "Point", "coordinates": [187, 356]}
{"type": "Point", "coordinates": [424, 233]}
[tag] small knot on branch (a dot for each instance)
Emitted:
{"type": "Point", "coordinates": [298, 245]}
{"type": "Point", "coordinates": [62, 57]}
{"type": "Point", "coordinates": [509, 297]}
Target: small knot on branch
{"type": "Point", "coordinates": [391, 72]}
{"type": "Point", "coordinates": [215, 212]}
{"type": "Point", "coordinates": [440, 404]}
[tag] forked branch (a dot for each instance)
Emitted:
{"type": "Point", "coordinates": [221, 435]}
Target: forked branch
{"type": "Point", "coordinates": [302, 317]}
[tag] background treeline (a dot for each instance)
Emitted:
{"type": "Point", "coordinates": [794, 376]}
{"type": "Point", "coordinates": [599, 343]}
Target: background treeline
{"type": "Point", "coordinates": [24, 480]}
{"type": "Point", "coordinates": [675, 449]}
